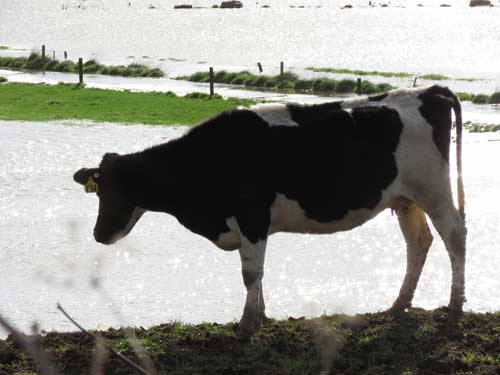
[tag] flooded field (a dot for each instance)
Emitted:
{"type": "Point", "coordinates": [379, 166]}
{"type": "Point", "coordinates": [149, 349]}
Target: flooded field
{"type": "Point", "coordinates": [457, 41]}
{"type": "Point", "coordinates": [163, 272]}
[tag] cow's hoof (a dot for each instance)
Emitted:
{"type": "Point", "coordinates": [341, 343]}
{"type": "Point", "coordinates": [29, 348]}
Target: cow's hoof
{"type": "Point", "coordinates": [246, 329]}
{"type": "Point", "coordinates": [263, 319]}
{"type": "Point", "coordinates": [244, 334]}
{"type": "Point", "coordinates": [399, 308]}
{"type": "Point", "coordinates": [454, 312]}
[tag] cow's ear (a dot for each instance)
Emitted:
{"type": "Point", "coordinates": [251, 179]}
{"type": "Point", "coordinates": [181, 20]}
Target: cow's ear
{"type": "Point", "coordinates": [108, 158]}
{"type": "Point", "coordinates": [82, 176]}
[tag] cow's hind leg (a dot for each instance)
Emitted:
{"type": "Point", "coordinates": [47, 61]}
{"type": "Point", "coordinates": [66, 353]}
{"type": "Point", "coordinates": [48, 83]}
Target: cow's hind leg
{"type": "Point", "coordinates": [451, 227]}
{"type": "Point", "coordinates": [418, 240]}
{"type": "Point", "coordinates": [252, 261]}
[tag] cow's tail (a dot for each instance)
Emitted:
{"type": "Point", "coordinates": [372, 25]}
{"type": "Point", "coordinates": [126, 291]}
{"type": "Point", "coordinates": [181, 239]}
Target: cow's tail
{"type": "Point", "coordinates": [457, 108]}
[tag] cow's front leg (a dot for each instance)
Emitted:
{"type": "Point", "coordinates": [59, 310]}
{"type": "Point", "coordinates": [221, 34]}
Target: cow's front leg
{"type": "Point", "coordinates": [252, 266]}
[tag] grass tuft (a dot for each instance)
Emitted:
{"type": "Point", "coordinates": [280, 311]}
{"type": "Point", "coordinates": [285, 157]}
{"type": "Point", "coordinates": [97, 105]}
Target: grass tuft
{"type": "Point", "coordinates": [480, 99]}
{"type": "Point", "coordinates": [494, 98]}
{"type": "Point", "coordinates": [35, 62]}
{"type": "Point", "coordinates": [289, 82]}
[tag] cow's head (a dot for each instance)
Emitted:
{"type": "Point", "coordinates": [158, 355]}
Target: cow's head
{"type": "Point", "coordinates": [118, 212]}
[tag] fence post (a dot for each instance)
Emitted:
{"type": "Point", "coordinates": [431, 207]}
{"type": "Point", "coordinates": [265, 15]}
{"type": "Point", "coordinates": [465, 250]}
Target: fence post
{"type": "Point", "coordinates": [43, 57]}
{"type": "Point", "coordinates": [282, 68]}
{"type": "Point", "coordinates": [260, 67]}
{"type": "Point", "coordinates": [53, 55]}
{"type": "Point", "coordinates": [360, 87]}
{"type": "Point", "coordinates": [65, 55]}
{"type": "Point", "coordinates": [415, 82]}
{"type": "Point", "coordinates": [80, 70]}
{"type": "Point", "coordinates": [211, 77]}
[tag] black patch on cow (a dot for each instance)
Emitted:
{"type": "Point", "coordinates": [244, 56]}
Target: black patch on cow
{"type": "Point", "coordinates": [310, 114]}
{"type": "Point", "coordinates": [338, 163]}
{"type": "Point", "coordinates": [235, 164]}
{"type": "Point", "coordinates": [436, 107]}
{"type": "Point", "coordinates": [377, 98]}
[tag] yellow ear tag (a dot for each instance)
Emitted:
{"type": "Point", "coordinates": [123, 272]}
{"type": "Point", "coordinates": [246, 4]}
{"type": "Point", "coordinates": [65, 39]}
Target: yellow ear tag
{"type": "Point", "coordinates": [91, 186]}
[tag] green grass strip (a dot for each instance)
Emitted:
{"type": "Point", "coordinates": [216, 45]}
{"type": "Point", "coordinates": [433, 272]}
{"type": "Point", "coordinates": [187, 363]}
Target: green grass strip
{"type": "Point", "coordinates": [31, 102]}
{"type": "Point", "coordinates": [290, 83]}
{"type": "Point", "coordinates": [35, 62]}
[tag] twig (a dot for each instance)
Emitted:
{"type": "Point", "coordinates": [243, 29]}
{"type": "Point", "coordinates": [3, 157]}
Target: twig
{"type": "Point", "coordinates": [109, 347]}
{"type": "Point", "coordinates": [138, 349]}
{"type": "Point", "coordinates": [40, 356]}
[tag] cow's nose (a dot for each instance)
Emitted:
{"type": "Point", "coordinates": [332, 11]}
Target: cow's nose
{"type": "Point", "coordinates": [106, 240]}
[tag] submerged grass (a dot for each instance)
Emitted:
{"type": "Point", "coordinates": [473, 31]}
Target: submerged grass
{"type": "Point", "coordinates": [290, 82]}
{"type": "Point", "coordinates": [430, 77]}
{"type": "Point", "coordinates": [360, 72]}
{"type": "Point", "coordinates": [416, 342]}
{"type": "Point", "coordinates": [37, 63]}
{"type": "Point", "coordinates": [39, 102]}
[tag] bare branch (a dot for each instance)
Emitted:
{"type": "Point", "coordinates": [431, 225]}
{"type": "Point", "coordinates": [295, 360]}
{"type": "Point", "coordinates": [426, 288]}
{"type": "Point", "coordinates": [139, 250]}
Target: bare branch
{"type": "Point", "coordinates": [108, 346]}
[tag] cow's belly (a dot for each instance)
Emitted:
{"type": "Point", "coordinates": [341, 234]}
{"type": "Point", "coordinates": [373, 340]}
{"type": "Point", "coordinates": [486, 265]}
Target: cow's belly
{"type": "Point", "coordinates": [288, 216]}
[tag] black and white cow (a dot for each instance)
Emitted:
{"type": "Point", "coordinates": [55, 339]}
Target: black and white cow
{"type": "Point", "coordinates": [248, 173]}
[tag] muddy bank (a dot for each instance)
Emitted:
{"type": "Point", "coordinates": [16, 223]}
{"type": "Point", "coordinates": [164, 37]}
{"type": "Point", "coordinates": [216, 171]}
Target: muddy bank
{"type": "Point", "coordinates": [416, 342]}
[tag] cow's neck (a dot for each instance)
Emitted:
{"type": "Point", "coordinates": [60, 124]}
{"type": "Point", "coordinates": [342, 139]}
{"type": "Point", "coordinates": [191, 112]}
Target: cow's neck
{"type": "Point", "coordinates": [154, 179]}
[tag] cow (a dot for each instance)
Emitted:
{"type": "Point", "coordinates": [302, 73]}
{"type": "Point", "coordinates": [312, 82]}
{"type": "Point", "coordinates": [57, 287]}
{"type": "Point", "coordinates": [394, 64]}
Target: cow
{"type": "Point", "coordinates": [247, 173]}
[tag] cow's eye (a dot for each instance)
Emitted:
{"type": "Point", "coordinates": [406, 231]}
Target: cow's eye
{"type": "Point", "coordinates": [96, 175]}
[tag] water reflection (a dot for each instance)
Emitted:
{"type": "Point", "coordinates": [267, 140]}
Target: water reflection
{"type": "Point", "coordinates": [163, 272]}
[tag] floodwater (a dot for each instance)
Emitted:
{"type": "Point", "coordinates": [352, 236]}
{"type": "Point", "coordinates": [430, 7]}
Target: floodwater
{"type": "Point", "coordinates": [457, 41]}
{"type": "Point", "coordinates": [163, 272]}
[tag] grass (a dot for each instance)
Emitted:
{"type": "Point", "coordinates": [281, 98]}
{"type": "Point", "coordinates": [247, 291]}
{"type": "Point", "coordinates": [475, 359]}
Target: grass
{"type": "Point", "coordinates": [3, 79]}
{"type": "Point", "coordinates": [481, 128]}
{"type": "Point", "coordinates": [290, 82]}
{"type": "Point", "coordinates": [30, 102]}
{"type": "Point", "coordinates": [360, 72]}
{"type": "Point", "coordinates": [3, 47]}
{"type": "Point", "coordinates": [416, 342]}
{"type": "Point", "coordinates": [35, 62]}
{"type": "Point", "coordinates": [430, 77]}
{"type": "Point", "coordinates": [480, 98]}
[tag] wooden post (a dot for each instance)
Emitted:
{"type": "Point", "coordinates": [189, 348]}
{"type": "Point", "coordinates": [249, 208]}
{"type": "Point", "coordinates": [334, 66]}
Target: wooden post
{"type": "Point", "coordinates": [360, 87]}
{"type": "Point", "coordinates": [80, 70]}
{"type": "Point", "coordinates": [211, 81]}
{"type": "Point", "coordinates": [260, 67]}
{"type": "Point", "coordinates": [65, 55]}
{"type": "Point", "coordinates": [43, 52]}
{"type": "Point", "coordinates": [415, 82]}
{"type": "Point", "coordinates": [282, 68]}
{"type": "Point", "coordinates": [53, 55]}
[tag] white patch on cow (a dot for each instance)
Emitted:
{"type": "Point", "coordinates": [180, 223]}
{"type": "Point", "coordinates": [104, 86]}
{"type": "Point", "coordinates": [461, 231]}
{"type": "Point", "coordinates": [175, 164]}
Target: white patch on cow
{"type": "Point", "coordinates": [136, 215]}
{"type": "Point", "coordinates": [274, 114]}
{"type": "Point", "coordinates": [230, 240]}
{"type": "Point", "coordinates": [418, 159]}
{"type": "Point", "coordinates": [288, 216]}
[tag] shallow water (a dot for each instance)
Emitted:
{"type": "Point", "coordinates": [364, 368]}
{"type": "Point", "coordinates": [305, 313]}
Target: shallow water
{"type": "Point", "coordinates": [163, 272]}
{"type": "Point", "coordinates": [458, 41]}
